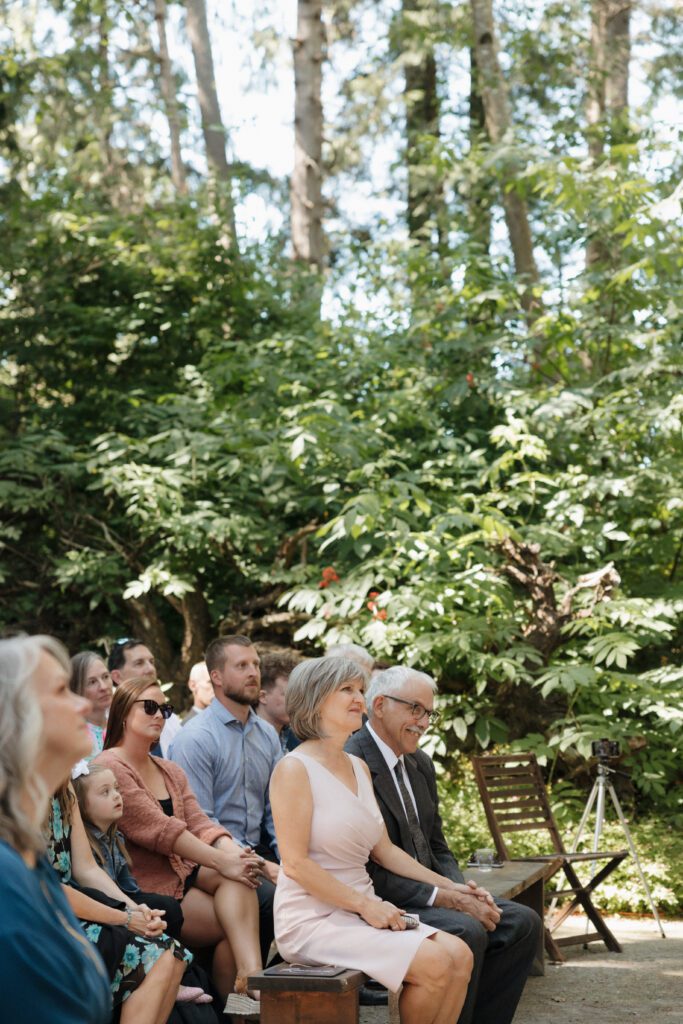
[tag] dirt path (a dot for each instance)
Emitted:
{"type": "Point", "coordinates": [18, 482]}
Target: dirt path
{"type": "Point", "coordinates": [642, 984]}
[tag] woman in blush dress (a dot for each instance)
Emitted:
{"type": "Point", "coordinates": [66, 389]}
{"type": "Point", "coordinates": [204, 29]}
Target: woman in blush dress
{"type": "Point", "coordinates": [328, 826]}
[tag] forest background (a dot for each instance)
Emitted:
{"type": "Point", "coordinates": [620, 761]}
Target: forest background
{"type": "Point", "coordinates": [422, 393]}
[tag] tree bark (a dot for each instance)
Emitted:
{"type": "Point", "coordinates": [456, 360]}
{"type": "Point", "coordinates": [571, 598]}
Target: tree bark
{"type": "Point", "coordinates": [212, 121]}
{"type": "Point", "coordinates": [479, 201]}
{"type": "Point", "coordinates": [306, 184]}
{"type": "Point", "coordinates": [607, 94]}
{"type": "Point", "coordinates": [168, 93]}
{"type": "Point", "coordinates": [499, 128]}
{"type": "Point", "coordinates": [425, 211]}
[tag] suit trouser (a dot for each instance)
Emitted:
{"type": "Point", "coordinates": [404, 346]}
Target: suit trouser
{"type": "Point", "coordinates": [502, 958]}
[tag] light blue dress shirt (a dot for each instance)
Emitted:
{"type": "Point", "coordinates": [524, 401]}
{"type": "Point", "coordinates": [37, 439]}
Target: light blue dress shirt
{"type": "Point", "coordinates": [228, 765]}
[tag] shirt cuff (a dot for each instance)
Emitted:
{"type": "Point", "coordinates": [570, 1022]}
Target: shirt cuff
{"type": "Point", "coordinates": [430, 901]}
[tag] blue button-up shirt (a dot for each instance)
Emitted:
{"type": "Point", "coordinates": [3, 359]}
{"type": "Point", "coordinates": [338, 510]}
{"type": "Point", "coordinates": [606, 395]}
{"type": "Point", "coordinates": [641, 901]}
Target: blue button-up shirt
{"type": "Point", "coordinates": [228, 766]}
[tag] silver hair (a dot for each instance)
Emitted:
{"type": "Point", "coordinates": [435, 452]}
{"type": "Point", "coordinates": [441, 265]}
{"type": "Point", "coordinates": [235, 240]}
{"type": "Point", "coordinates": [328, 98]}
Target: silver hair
{"type": "Point", "coordinates": [21, 730]}
{"type": "Point", "coordinates": [354, 652]}
{"type": "Point", "coordinates": [391, 681]}
{"type": "Point", "coordinates": [311, 683]}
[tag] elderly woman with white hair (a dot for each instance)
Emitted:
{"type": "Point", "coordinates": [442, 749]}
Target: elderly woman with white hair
{"type": "Point", "coordinates": [328, 826]}
{"type": "Point", "coordinates": [48, 969]}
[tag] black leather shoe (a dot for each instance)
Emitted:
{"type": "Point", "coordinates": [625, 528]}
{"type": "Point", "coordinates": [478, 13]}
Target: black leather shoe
{"type": "Point", "coordinates": [373, 994]}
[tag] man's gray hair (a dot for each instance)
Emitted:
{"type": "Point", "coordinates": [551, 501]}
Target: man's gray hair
{"type": "Point", "coordinates": [391, 681]}
{"type": "Point", "coordinates": [310, 684]}
{"type": "Point", "coordinates": [21, 732]}
{"type": "Point", "coordinates": [354, 652]}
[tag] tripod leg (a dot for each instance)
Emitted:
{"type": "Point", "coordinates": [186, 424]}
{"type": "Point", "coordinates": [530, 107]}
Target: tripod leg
{"type": "Point", "coordinates": [584, 818]}
{"type": "Point", "coordinates": [634, 854]}
{"type": "Point", "coordinates": [600, 783]}
{"type": "Point", "coordinates": [577, 838]}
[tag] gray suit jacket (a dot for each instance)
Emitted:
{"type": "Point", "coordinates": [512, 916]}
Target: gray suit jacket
{"type": "Point", "coordinates": [398, 890]}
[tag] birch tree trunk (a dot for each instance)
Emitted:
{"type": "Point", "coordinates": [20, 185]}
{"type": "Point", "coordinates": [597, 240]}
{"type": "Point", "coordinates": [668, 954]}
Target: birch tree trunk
{"type": "Point", "coordinates": [168, 93]}
{"type": "Point", "coordinates": [425, 191]}
{"type": "Point", "coordinates": [306, 184]}
{"type": "Point", "coordinates": [498, 126]}
{"type": "Point", "coordinates": [212, 121]}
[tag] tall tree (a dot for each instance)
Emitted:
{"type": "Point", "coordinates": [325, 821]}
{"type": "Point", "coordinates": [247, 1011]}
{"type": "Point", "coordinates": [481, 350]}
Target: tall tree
{"type": "Point", "coordinates": [168, 92]}
{"type": "Point", "coordinates": [212, 122]}
{"type": "Point", "coordinates": [496, 103]}
{"type": "Point", "coordinates": [607, 99]}
{"type": "Point", "coordinates": [425, 187]}
{"type": "Point", "coordinates": [306, 184]}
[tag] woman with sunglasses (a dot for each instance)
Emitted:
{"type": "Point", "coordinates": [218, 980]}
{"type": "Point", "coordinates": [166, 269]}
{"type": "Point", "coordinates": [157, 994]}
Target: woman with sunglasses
{"type": "Point", "coordinates": [177, 850]}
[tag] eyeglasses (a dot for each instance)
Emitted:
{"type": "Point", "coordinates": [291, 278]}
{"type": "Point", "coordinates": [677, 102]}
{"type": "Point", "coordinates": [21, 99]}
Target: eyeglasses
{"type": "Point", "coordinates": [416, 710]}
{"type": "Point", "coordinates": [151, 707]}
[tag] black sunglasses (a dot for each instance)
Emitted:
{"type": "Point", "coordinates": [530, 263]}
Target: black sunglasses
{"type": "Point", "coordinates": [151, 707]}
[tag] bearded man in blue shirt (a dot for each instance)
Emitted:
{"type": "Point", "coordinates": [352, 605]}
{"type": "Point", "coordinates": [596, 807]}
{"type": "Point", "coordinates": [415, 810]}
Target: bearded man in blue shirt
{"type": "Point", "coordinates": [229, 753]}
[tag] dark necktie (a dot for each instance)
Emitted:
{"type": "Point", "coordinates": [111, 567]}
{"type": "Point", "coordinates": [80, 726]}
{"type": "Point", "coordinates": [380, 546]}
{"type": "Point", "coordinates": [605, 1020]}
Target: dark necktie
{"type": "Point", "coordinates": [419, 842]}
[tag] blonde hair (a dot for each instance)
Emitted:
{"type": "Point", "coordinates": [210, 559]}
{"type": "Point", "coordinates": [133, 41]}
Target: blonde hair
{"type": "Point", "coordinates": [80, 786]}
{"type": "Point", "coordinates": [310, 683]}
{"type": "Point", "coordinates": [21, 732]}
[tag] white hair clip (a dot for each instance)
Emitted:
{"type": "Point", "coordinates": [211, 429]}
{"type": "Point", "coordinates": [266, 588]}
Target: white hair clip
{"type": "Point", "coordinates": [80, 768]}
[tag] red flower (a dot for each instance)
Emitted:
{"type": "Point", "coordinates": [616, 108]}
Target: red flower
{"type": "Point", "coordinates": [329, 575]}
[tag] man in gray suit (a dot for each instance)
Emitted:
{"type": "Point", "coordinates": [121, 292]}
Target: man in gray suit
{"type": "Point", "coordinates": [502, 935]}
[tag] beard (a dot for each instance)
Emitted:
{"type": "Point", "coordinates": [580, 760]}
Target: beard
{"type": "Point", "coordinates": [240, 696]}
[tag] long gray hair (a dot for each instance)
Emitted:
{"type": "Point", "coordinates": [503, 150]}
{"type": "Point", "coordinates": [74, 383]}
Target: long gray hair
{"type": "Point", "coordinates": [21, 728]}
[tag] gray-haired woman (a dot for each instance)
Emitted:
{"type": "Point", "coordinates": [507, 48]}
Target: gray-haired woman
{"type": "Point", "coordinates": [328, 826]}
{"type": "Point", "coordinates": [48, 969]}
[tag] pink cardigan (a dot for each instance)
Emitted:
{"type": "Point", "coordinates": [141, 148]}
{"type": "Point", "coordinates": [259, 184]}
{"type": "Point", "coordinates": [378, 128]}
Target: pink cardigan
{"type": "Point", "coordinates": [151, 834]}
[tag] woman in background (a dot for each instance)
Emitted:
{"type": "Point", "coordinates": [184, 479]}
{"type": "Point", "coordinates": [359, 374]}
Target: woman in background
{"type": "Point", "coordinates": [90, 678]}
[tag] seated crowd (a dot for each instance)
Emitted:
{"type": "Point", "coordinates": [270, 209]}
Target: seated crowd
{"type": "Point", "coordinates": [150, 864]}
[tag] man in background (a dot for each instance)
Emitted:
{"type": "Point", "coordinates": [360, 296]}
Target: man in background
{"type": "Point", "coordinates": [200, 686]}
{"type": "Point", "coordinates": [275, 672]}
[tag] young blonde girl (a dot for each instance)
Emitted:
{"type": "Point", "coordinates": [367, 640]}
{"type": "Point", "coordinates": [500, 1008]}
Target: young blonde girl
{"type": "Point", "coordinates": [101, 808]}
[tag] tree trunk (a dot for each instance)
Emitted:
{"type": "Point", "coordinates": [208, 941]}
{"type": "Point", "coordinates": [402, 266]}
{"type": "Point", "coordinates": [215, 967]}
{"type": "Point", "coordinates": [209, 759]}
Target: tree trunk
{"type": "Point", "coordinates": [425, 190]}
{"type": "Point", "coordinates": [607, 98]}
{"type": "Point", "coordinates": [306, 185]}
{"type": "Point", "coordinates": [212, 122]}
{"type": "Point", "coordinates": [168, 93]}
{"type": "Point", "coordinates": [479, 202]}
{"type": "Point", "coordinates": [499, 128]}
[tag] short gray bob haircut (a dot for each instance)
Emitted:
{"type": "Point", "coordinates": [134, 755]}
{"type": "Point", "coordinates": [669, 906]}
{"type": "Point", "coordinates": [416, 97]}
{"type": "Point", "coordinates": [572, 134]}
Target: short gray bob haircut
{"type": "Point", "coordinates": [354, 652]}
{"type": "Point", "coordinates": [310, 684]}
{"type": "Point", "coordinates": [390, 681]}
{"type": "Point", "coordinates": [21, 731]}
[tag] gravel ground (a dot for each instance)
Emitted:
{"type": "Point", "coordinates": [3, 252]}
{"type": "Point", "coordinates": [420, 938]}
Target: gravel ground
{"type": "Point", "coordinates": [644, 983]}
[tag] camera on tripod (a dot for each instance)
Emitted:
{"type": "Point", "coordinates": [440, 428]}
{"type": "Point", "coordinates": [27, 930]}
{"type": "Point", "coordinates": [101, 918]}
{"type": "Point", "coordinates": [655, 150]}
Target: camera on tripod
{"type": "Point", "coordinates": [605, 749]}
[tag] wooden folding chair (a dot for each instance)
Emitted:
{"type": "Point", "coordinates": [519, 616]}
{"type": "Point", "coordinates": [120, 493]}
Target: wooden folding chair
{"type": "Point", "coordinates": [515, 800]}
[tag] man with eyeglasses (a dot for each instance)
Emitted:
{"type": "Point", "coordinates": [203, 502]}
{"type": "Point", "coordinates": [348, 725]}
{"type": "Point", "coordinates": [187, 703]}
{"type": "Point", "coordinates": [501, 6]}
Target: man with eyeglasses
{"type": "Point", "coordinates": [502, 935]}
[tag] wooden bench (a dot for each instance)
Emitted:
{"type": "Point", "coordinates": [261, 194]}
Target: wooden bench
{"type": "Point", "coordinates": [308, 1000]}
{"type": "Point", "coordinates": [523, 882]}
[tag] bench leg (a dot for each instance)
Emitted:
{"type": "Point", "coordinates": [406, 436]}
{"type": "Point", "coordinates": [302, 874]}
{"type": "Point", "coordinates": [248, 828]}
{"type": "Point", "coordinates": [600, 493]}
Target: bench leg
{"type": "Point", "coordinates": [309, 1007]}
{"type": "Point", "coordinates": [534, 898]}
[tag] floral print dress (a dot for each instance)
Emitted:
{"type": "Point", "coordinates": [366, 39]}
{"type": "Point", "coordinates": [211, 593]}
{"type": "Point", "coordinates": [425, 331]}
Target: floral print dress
{"type": "Point", "coordinates": [128, 957]}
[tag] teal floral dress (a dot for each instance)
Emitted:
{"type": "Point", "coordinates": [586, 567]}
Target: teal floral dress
{"type": "Point", "coordinates": [128, 957]}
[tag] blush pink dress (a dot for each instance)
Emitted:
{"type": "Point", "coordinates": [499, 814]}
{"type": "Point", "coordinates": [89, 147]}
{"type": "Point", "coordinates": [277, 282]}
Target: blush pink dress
{"type": "Point", "coordinates": [344, 828]}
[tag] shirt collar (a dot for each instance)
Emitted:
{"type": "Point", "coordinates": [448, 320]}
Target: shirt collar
{"type": "Point", "coordinates": [225, 716]}
{"type": "Point", "coordinates": [385, 750]}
